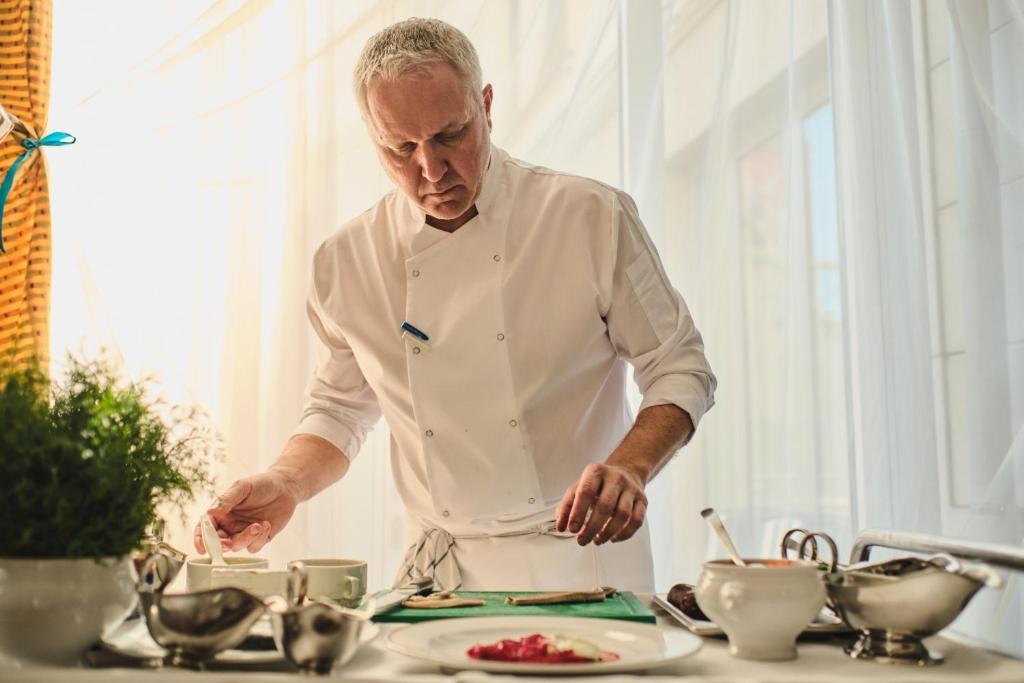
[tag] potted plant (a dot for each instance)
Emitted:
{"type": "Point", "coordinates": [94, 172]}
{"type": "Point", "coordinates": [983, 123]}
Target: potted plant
{"type": "Point", "coordinates": [85, 462]}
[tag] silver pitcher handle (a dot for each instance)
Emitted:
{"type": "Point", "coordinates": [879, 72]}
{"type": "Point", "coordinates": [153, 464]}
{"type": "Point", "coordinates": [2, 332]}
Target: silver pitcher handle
{"type": "Point", "coordinates": [298, 583]}
{"type": "Point", "coordinates": [152, 574]}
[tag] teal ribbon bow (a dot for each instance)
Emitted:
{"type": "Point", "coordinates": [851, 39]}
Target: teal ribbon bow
{"type": "Point", "coordinates": [57, 139]}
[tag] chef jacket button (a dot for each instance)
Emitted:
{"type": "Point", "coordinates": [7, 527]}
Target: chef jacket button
{"type": "Point", "coordinates": [445, 513]}
{"type": "Point", "coordinates": [532, 501]}
{"type": "Point", "coordinates": [429, 432]}
{"type": "Point", "coordinates": [497, 257]}
{"type": "Point", "coordinates": [415, 349]}
{"type": "Point", "coordinates": [512, 423]}
{"type": "Point", "coordinates": [415, 273]}
{"type": "Point", "coordinates": [500, 336]}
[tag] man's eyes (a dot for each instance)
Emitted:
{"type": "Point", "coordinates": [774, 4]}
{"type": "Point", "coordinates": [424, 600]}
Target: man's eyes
{"type": "Point", "coordinates": [453, 137]}
{"type": "Point", "coordinates": [444, 138]}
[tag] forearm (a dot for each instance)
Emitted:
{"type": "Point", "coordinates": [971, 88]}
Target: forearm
{"type": "Point", "coordinates": [659, 431]}
{"type": "Point", "coordinates": [310, 464]}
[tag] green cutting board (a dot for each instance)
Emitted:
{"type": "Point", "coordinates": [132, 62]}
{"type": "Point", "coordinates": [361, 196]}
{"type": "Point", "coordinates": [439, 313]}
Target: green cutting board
{"type": "Point", "coordinates": [623, 605]}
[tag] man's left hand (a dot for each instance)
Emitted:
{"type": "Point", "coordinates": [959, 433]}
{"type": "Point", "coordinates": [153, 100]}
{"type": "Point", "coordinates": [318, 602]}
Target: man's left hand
{"type": "Point", "coordinates": [607, 503]}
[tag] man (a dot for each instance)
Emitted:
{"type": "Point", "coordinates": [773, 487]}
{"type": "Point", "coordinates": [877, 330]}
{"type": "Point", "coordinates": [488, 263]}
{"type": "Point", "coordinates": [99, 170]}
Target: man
{"type": "Point", "coordinates": [486, 308]}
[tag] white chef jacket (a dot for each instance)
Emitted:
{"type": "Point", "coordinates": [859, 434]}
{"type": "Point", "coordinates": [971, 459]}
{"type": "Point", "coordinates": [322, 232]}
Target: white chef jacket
{"type": "Point", "coordinates": [532, 310]}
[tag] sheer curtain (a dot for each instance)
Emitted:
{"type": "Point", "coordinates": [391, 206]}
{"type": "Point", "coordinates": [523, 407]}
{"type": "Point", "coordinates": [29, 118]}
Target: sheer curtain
{"type": "Point", "coordinates": [834, 186]}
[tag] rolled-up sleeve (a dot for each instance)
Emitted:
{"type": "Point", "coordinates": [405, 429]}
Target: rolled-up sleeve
{"type": "Point", "coordinates": [340, 406]}
{"type": "Point", "coordinates": [649, 323]}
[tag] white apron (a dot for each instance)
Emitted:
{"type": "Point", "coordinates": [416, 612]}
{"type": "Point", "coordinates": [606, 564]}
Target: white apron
{"type": "Point", "coordinates": [526, 560]}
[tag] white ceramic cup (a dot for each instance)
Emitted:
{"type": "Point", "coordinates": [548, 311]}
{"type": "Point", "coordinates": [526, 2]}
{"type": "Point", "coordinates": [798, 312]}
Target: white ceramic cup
{"type": "Point", "coordinates": [260, 582]}
{"type": "Point", "coordinates": [343, 581]}
{"type": "Point", "coordinates": [762, 609]}
{"type": "Point", "coordinates": [199, 572]}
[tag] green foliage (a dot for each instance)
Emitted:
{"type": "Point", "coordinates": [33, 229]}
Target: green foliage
{"type": "Point", "coordinates": [86, 461]}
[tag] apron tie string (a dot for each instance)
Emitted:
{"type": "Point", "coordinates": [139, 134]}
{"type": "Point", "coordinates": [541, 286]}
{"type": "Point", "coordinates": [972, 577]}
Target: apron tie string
{"type": "Point", "coordinates": [434, 554]}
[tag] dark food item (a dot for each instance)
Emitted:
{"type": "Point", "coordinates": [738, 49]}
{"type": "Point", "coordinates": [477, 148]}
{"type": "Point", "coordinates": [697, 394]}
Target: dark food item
{"type": "Point", "coordinates": [257, 643]}
{"type": "Point", "coordinates": [682, 597]}
{"type": "Point", "coordinates": [535, 649]}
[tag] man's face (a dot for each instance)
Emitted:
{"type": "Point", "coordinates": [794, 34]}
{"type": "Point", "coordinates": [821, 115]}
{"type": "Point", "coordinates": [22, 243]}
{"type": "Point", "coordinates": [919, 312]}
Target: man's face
{"type": "Point", "coordinates": [433, 139]}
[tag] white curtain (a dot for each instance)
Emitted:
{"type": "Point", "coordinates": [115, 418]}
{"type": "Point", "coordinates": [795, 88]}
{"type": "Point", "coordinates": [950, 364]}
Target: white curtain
{"type": "Point", "coordinates": [836, 187]}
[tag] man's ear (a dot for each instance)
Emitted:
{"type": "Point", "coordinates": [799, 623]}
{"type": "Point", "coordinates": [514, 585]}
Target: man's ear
{"type": "Point", "coordinates": [488, 94]}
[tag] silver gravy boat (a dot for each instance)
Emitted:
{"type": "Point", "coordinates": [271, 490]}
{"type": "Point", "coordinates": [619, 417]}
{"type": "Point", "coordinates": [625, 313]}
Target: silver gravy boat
{"type": "Point", "coordinates": [897, 603]}
{"type": "Point", "coordinates": [193, 627]}
{"type": "Point", "coordinates": [315, 635]}
{"type": "Point", "coordinates": [163, 572]}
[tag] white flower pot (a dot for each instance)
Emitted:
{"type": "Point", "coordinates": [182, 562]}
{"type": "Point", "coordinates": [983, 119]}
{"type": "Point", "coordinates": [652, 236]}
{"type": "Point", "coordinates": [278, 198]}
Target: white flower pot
{"type": "Point", "coordinates": [52, 611]}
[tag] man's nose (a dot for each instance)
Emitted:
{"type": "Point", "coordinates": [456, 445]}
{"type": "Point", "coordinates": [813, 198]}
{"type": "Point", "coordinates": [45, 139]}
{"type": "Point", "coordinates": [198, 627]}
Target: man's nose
{"type": "Point", "coordinates": [432, 162]}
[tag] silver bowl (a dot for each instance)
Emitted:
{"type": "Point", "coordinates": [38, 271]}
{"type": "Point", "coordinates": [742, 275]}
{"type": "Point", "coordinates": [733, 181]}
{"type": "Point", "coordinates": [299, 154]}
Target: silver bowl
{"type": "Point", "coordinates": [315, 635]}
{"type": "Point", "coordinates": [193, 627]}
{"type": "Point", "coordinates": [897, 603]}
{"type": "Point", "coordinates": [318, 636]}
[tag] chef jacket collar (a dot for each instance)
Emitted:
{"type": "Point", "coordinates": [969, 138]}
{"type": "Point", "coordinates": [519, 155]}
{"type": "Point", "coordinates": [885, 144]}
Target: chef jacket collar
{"type": "Point", "coordinates": [420, 235]}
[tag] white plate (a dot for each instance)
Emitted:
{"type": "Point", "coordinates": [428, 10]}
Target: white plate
{"type": "Point", "coordinates": [132, 639]}
{"type": "Point", "coordinates": [639, 646]}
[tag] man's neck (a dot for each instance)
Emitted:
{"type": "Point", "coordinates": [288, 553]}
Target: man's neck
{"type": "Point", "coordinates": [455, 223]}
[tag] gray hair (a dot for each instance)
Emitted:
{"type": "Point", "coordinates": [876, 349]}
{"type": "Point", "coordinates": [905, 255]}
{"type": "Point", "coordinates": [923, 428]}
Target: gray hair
{"type": "Point", "coordinates": [411, 45]}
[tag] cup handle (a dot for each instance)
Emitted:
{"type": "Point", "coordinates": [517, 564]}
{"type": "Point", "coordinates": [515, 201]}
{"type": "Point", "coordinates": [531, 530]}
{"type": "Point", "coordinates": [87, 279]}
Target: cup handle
{"type": "Point", "coordinates": [732, 594]}
{"type": "Point", "coordinates": [298, 582]}
{"type": "Point", "coordinates": [353, 587]}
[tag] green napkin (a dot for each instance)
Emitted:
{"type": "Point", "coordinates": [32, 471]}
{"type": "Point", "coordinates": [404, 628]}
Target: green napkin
{"type": "Point", "coordinates": [621, 605]}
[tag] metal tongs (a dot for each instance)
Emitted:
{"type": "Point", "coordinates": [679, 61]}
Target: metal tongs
{"type": "Point", "coordinates": [804, 544]}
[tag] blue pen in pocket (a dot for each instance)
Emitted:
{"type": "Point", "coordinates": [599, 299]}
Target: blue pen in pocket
{"type": "Point", "coordinates": [417, 336]}
{"type": "Point", "coordinates": [414, 331]}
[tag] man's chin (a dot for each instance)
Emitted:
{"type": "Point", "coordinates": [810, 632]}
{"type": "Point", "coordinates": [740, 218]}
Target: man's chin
{"type": "Point", "coordinates": [446, 211]}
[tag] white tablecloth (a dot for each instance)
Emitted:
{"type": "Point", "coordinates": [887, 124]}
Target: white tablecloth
{"type": "Point", "coordinates": [816, 661]}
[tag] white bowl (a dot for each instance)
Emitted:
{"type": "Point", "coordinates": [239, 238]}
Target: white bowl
{"type": "Point", "coordinates": [199, 573]}
{"type": "Point", "coordinates": [762, 607]}
{"type": "Point", "coordinates": [52, 611]}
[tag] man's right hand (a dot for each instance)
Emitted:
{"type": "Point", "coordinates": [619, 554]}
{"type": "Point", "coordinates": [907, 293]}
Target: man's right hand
{"type": "Point", "coordinates": [252, 511]}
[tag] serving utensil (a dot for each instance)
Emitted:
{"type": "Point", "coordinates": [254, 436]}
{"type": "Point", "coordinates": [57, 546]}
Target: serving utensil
{"type": "Point", "coordinates": [711, 517]}
{"type": "Point", "coordinates": [211, 540]}
{"type": "Point", "coordinates": [392, 598]}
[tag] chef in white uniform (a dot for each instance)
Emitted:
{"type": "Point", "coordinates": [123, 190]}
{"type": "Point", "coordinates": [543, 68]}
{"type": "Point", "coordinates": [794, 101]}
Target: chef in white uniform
{"type": "Point", "coordinates": [489, 309]}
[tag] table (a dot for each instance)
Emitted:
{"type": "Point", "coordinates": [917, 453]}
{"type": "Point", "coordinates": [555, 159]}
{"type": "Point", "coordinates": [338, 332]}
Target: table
{"type": "Point", "coordinates": [817, 661]}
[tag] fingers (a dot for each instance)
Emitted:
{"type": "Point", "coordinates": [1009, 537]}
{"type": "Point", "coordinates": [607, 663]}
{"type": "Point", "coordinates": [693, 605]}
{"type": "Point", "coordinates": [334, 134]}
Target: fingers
{"type": "Point", "coordinates": [607, 504]}
{"type": "Point", "coordinates": [636, 520]}
{"type": "Point", "coordinates": [249, 535]}
{"type": "Point", "coordinates": [261, 540]}
{"type": "Point", "coordinates": [587, 490]}
{"type": "Point", "coordinates": [618, 520]}
{"type": "Point", "coordinates": [252, 538]}
{"type": "Point", "coordinates": [565, 507]}
{"type": "Point", "coordinates": [197, 538]}
{"type": "Point", "coordinates": [601, 510]}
